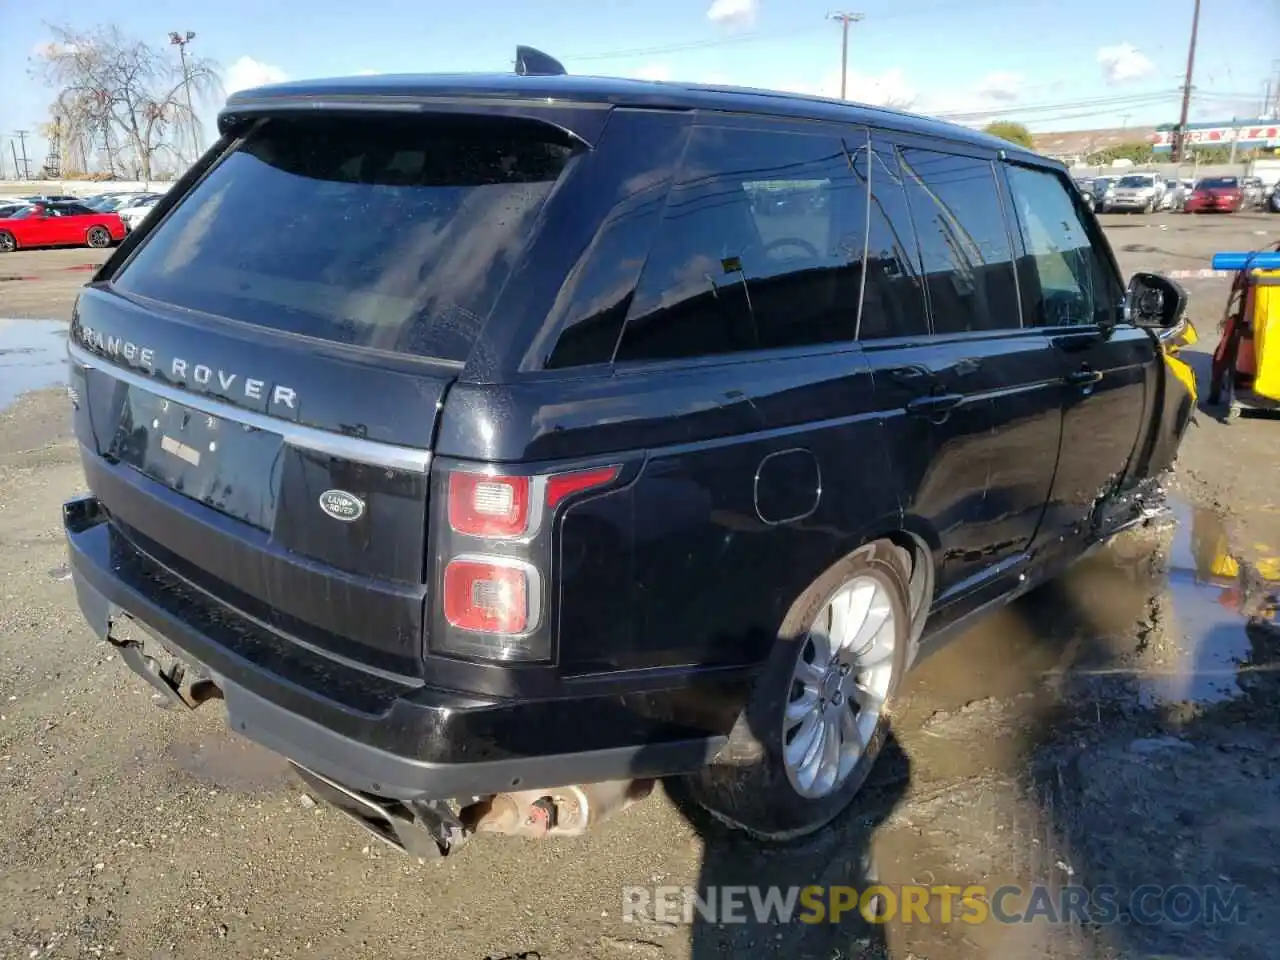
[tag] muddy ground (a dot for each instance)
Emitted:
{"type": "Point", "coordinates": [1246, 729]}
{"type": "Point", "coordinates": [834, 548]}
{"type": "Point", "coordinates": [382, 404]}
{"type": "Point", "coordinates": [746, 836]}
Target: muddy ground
{"type": "Point", "coordinates": [1115, 729]}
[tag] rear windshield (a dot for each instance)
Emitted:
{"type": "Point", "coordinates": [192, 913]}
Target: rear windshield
{"type": "Point", "coordinates": [1136, 181]}
{"type": "Point", "coordinates": [391, 234]}
{"type": "Point", "coordinates": [1221, 183]}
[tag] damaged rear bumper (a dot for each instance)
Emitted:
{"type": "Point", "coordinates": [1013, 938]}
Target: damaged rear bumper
{"type": "Point", "coordinates": [400, 741]}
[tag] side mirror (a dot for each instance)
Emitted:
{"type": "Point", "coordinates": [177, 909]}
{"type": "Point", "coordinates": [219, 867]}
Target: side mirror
{"type": "Point", "coordinates": [1155, 301]}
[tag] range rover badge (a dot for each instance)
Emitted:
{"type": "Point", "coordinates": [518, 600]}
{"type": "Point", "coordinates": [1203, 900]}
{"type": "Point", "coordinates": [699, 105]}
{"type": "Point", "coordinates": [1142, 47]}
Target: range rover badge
{"type": "Point", "coordinates": [341, 505]}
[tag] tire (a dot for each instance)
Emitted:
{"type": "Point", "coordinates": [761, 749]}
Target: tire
{"type": "Point", "coordinates": [8, 242]}
{"type": "Point", "coordinates": [98, 237]}
{"type": "Point", "coordinates": [1150, 207]}
{"type": "Point", "coordinates": [750, 786]}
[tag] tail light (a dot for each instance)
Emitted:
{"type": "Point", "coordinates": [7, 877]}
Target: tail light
{"type": "Point", "coordinates": [494, 554]}
{"type": "Point", "coordinates": [481, 505]}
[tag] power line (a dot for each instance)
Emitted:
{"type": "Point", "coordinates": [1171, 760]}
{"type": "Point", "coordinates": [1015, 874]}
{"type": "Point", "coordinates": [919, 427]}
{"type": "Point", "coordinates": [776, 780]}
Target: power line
{"type": "Point", "coordinates": [1113, 102]}
{"type": "Point", "coordinates": [845, 19]}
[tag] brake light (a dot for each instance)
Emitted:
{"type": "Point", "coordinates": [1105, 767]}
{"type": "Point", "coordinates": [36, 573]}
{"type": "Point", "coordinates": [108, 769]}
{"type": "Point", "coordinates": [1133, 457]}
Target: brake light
{"type": "Point", "coordinates": [487, 597]}
{"type": "Point", "coordinates": [483, 505]}
{"type": "Point", "coordinates": [563, 485]}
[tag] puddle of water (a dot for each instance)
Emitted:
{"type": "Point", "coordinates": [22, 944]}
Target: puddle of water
{"type": "Point", "coordinates": [33, 355]}
{"type": "Point", "coordinates": [1207, 622]}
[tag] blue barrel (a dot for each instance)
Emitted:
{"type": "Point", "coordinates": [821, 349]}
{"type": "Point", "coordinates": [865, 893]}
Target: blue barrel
{"type": "Point", "coordinates": [1262, 260]}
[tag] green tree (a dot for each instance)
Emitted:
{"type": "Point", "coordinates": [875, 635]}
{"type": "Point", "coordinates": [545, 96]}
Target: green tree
{"type": "Point", "coordinates": [1135, 152]}
{"type": "Point", "coordinates": [1012, 131]}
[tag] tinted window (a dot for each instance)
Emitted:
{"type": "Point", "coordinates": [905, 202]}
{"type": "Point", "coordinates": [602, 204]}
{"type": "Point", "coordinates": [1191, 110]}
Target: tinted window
{"type": "Point", "coordinates": [1221, 183]}
{"type": "Point", "coordinates": [964, 241]}
{"type": "Point", "coordinates": [1136, 182]}
{"type": "Point", "coordinates": [1065, 280]}
{"type": "Point", "coordinates": [386, 234]}
{"type": "Point", "coordinates": [630, 177]}
{"type": "Point", "coordinates": [893, 300]}
{"type": "Point", "coordinates": [74, 210]}
{"type": "Point", "coordinates": [760, 247]}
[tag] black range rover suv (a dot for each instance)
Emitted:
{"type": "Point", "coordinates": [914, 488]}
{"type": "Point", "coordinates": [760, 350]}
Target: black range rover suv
{"type": "Point", "coordinates": [495, 445]}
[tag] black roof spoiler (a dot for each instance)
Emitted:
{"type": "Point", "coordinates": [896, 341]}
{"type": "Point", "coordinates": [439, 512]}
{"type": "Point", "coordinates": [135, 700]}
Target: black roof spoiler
{"type": "Point", "coordinates": [534, 63]}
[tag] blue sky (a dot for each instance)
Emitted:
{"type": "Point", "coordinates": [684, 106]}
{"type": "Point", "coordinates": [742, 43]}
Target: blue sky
{"type": "Point", "coordinates": [1031, 60]}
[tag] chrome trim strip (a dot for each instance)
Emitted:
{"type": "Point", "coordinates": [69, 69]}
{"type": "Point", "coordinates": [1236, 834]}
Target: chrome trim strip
{"type": "Point", "coordinates": [294, 434]}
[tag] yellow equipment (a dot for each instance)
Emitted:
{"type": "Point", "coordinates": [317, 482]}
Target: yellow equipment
{"type": "Point", "coordinates": [1246, 363]}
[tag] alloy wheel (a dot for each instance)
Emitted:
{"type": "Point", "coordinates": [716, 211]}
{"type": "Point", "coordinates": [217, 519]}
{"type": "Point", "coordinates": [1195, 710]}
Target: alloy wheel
{"type": "Point", "coordinates": [839, 687]}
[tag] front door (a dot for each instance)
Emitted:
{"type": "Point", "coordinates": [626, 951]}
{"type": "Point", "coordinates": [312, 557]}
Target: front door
{"type": "Point", "coordinates": [978, 411]}
{"type": "Point", "coordinates": [1072, 291]}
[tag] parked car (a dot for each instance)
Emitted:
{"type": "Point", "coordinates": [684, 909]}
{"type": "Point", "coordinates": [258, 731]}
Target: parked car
{"type": "Point", "coordinates": [136, 212]}
{"type": "Point", "coordinates": [1103, 187]}
{"type": "Point", "coordinates": [59, 224]}
{"type": "Point", "coordinates": [114, 202]}
{"type": "Point", "coordinates": [1175, 194]}
{"type": "Point", "coordinates": [527, 466]}
{"type": "Point", "coordinates": [1274, 201]}
{"type": "Point", "coordinates": [1223, 194]}
{"type": "Point", "coordinates": [1136, 191]}
{"type": "Point", "coordinates": [50, 198]}
{"type": "Point", "coordinates": [1253, 192]}
{"type": "Point", "coordinates": [1085, 187]}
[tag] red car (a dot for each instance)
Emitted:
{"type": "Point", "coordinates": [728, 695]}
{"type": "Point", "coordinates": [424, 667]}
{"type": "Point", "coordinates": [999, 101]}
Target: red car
{"type": "Point", "coordinates": [1215, 193]}
{"type": "Point", "coordinates": [59, 224]}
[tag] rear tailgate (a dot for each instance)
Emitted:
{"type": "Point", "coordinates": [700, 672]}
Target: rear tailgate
{"type": "Point", "coordinates": [260, 380]}
{"type": "Point", "coordinates": [230, 497]}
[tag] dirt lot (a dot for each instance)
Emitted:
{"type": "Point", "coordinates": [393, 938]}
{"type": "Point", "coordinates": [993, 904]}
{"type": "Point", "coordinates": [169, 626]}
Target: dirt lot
{"type": "Point", "coordinates": [1117, 728]}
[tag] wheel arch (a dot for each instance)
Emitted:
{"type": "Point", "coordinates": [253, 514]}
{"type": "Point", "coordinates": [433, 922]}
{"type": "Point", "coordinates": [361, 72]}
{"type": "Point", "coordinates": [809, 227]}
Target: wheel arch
{"type": "Point", "coordinates": [919, 545]}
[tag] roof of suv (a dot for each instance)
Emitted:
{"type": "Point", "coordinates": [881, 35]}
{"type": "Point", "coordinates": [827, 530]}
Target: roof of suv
{"type": "Point", "coordinates": [608, 91]}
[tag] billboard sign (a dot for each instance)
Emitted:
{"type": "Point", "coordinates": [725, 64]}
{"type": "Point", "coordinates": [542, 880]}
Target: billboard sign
{"type": "Point", "coordinates": [1245, 135]}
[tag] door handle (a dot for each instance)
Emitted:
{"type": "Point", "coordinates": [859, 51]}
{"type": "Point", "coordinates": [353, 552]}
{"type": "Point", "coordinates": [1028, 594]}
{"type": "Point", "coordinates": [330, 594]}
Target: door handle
{"type": "Point", "coordinates": [1084, 377]}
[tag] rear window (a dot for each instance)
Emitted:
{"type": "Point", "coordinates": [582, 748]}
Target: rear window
{"type": "Point", "coordinates": [386, 234]}
{"type": "Point", "coordinates": [1219, 183]}
{"type": "Point", "coordinates": [1136, 182]}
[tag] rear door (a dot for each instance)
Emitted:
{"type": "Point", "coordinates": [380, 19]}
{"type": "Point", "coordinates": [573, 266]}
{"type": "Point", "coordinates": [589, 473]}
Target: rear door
{"type": "Point", "coordinates": [1073, 294]}
{"type": "Point", "coordinates": [261, 379]}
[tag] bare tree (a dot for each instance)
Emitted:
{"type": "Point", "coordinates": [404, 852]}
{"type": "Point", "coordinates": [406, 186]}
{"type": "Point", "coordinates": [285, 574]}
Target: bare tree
{"type": "Point", "coordinates": [122, 98]}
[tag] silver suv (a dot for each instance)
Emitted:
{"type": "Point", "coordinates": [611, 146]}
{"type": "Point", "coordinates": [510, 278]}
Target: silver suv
{"type": "Point", "coordinates": [1136, 191]}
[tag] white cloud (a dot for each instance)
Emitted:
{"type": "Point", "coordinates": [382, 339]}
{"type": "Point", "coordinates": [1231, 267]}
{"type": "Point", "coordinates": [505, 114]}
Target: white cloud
{"type": "Point", "coordinates": [248, 72]}
{"type": "Point", "coordinates": [1123, 62]}
{"type": "Point", "coordinates": [1001, 86]}
{"type": "Point", "coordinates": [368, 73]}
{"type": "Point", "coordinates": [733, 13]}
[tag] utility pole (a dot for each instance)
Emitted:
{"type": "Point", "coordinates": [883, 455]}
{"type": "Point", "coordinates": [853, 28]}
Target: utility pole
{"type": "Point", "coordinates": [1186, 87]}
{"type": "Point", "coordinates": [180, 40]}
{"type": "Point", "coordinates": [25, 172]}
{"type": "Point", "coordinates": [1273, 88]}
{"type": "Point", "coordinates": [845, 19]}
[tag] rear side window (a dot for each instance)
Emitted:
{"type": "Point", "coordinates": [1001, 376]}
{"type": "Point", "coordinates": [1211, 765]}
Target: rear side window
{"type": "Point", "coordinates": [760, 247]}
{"type": "Point", "coordinates": [964, 241]}
{"type": "Point", "coordinates": [381, 233]}
{"type": "Point", "coordinates": [1068, 282]}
